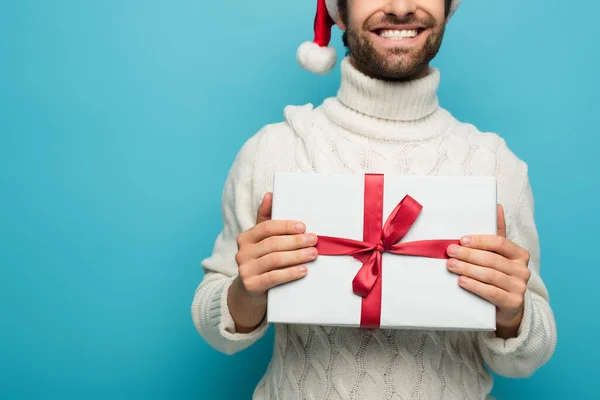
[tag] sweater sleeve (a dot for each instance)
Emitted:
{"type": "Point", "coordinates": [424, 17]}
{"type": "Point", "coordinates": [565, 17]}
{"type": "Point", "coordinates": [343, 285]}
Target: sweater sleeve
{"type": "Point", "coordinates": [536, 340]}
{"type": "Point", "coordinates": [210, 312]}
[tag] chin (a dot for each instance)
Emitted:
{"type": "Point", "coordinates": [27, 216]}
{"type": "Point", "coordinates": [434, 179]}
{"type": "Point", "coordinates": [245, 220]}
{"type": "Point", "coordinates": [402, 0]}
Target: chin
{"type": "Point", "coordinates": [396, 68]}
{"type": "Point", "coordinates": [385, 59]}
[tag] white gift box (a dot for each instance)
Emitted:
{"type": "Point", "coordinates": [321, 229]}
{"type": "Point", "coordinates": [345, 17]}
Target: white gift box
{"type": "Point", "coordinates": [417, 292]}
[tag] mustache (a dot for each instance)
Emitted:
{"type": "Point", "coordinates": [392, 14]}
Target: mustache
{"type": "Point", "coordinates": [410, 19]}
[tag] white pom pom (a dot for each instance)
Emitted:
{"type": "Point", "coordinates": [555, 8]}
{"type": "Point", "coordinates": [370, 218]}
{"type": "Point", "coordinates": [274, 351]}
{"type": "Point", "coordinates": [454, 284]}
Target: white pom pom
{"type": "Point", "coordinates": [316, 59]}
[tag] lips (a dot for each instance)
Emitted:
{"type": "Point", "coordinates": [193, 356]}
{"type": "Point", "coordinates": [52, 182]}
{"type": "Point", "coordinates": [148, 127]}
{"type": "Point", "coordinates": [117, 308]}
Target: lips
{"type": "Point", "coordinates": [397, 27]}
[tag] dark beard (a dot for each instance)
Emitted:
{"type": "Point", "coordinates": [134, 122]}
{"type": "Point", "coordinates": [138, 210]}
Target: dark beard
{"type": "Point", "coordinates": [370, 62]}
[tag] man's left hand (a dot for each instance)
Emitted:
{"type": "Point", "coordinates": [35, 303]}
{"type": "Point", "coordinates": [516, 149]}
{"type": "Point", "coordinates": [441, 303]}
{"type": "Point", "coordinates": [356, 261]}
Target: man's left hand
{"type": "Point", "coordinates": [494, 268]}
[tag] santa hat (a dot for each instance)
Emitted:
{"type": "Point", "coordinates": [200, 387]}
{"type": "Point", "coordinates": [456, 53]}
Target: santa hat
{"type": "Point", "coordinates": [317, 56]}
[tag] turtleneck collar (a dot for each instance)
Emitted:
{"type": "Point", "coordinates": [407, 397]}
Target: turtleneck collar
{"type": "Point", "coordinates": [395, 101]}
{"type": "Point", "coordinates": [396, 111]}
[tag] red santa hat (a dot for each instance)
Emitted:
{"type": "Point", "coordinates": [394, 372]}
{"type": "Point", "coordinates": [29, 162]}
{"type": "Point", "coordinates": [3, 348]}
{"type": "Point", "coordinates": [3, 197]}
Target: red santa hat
{"type": "Point", "coordinates": [317, 56]}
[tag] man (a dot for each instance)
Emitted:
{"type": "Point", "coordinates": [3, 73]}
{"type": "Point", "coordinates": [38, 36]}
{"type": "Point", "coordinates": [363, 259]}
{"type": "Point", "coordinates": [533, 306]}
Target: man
{"type": "Point", "coordinates": [384, 119]}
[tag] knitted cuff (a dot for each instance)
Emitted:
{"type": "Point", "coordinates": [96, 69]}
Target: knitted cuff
{"type": "Point", "coordinates": [227, 324]}
{"type": "Point", "coordinates": [502, 346]}
{"type": "Point", "coordinates": [214, 322]}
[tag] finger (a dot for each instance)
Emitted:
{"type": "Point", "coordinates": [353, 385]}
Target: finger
{"type": "Point", "coordinates": [262, 283]}
{"type": "Point", "coordinates": [482, 257]}
{"type": "Point", "coordinates": [282, 259]}
{"type": "Point", "coordinates": [264, 211]}
{"type": "Point", "coordinates": [495, 243]}
{"type": "Point", "coordinates": [275, 244]}
{"type": "Point", "coordinates": [500, 298]}
{"type": "Point", "coordinates": [487, 275]}
{"type": "Point", "coordinates": [270, 228]}
{"type": "Point", "coordinates": [501, 221]}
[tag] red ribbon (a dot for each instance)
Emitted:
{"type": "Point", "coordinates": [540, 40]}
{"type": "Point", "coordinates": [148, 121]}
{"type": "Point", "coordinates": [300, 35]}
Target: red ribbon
{"type": "Point", "coordinates": [378, 239]}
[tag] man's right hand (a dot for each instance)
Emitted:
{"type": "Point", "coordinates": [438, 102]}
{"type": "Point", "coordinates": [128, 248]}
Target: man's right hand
{"type": "Point", "coordinates": [269, 254]}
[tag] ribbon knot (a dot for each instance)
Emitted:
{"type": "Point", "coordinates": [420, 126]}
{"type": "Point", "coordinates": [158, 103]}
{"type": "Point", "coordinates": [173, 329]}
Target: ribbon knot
{"type": "Point", "coordinates": [378, 239]}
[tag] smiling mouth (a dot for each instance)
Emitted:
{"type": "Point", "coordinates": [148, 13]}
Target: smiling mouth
{"type": "Point", "coordinates": [398, 35]}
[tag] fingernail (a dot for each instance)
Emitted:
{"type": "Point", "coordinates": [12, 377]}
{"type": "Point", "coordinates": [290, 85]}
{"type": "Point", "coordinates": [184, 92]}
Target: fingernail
{"type": "Point", "coordinates": [465, 240]}
{"type": "Point", "coordinates": [453, 250]}
{"type": "Point", "coordinates": [302, 269]}
{"type": "Point", "coordinates": [452, 263]}
{"type": "Point", "coordinates": [299, 227]}
{"type": "Point", "coordinates": [463, 281]}
{"type": "Point", "coordinates": [311, 252]}
{"type": "Point", "coordinates": [311, 238]}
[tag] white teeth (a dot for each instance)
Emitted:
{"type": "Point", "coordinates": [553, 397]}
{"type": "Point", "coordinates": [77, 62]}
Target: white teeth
{"type": "Point", "coordinates": [397, 35]}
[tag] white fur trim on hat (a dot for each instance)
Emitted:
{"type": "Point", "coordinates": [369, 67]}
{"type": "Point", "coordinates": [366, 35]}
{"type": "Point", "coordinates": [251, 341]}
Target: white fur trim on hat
{"type": "Point", "coordinates": [453, 7]}
{"type": "Point", "coordinates": [332, 8]}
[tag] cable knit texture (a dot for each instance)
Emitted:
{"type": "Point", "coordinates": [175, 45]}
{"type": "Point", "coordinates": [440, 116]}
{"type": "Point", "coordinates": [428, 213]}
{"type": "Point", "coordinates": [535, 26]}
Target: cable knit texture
{"type": "Point", "coordinates": [376, 127]}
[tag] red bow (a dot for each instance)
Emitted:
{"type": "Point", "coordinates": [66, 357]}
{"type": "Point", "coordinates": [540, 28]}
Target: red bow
{"type": "Point", "coordinates": [378, 239]}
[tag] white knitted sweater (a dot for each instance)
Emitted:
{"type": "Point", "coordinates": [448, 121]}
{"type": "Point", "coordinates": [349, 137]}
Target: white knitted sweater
{"type": "Point", "coordinates": [378, 127]}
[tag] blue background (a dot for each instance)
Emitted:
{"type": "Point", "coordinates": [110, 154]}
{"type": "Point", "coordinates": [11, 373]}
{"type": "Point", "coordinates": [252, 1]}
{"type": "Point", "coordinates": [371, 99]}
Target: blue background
{"type": "Point", "coordinates": [119, 121]}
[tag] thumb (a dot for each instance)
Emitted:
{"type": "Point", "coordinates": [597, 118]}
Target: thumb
{"type": "Point", "coordinates": [264, 211]}
{"type": "Point", "coordinates": [501, 221]}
